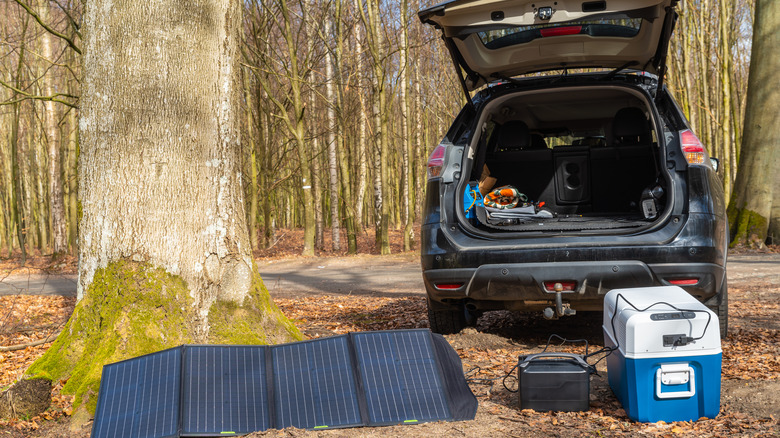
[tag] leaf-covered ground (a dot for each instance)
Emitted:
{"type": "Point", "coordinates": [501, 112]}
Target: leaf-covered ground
{"type": "Point", "coordinates": [751, 365]}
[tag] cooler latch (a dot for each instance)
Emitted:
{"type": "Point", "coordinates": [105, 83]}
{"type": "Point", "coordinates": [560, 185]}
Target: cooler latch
{"type": "Point", "coordinates": [673, 375]}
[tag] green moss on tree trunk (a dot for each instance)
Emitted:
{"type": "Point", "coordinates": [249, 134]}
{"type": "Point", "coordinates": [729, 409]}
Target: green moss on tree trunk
{"type": "Point", "coordinates": [256, 321]}
{"type": "Point", "coordinates": [132, 309]}
{"type": "Point", "coordinates": [747, 227]}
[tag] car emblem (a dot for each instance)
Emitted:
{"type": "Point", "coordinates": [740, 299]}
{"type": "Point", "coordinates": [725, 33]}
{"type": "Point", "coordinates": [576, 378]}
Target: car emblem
{"type": "Point", "coordinates": [545, 13]}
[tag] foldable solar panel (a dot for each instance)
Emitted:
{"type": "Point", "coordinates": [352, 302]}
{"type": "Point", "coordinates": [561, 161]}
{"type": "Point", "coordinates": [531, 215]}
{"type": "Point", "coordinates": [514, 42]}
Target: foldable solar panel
{"type": "Point", "coordinates": [360, 379]}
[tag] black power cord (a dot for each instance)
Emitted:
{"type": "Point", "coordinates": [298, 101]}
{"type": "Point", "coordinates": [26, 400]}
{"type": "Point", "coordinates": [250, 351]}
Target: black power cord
{"type": "Point", "coordinates": [684, 340]}
{"type": "Point", "coordinates": [592, 368]}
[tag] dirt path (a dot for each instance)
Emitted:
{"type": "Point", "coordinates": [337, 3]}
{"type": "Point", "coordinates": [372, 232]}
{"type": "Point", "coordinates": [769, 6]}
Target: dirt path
{"type": "Point", "coordinates": [401, 275]}
{"type": "Point", "coordinates": [364, 275]}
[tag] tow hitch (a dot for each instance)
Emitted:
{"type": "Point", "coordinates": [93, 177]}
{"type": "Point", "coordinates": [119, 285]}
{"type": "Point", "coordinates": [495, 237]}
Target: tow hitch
{"type": "Point", "coordinates": [561, 308]}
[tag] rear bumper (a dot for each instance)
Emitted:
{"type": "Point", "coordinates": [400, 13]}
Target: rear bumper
{"type": "Point", "coordinates": [520, 286]}
{"type": "Point", "coordinates": [509, 273]}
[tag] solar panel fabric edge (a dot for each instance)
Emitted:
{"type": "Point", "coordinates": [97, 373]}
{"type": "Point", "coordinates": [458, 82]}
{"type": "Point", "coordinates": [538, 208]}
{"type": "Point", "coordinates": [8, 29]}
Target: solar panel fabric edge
{"type": "Point", "coordinates": [463, 402]}
{"type": "Point", "coordinates": [117, 376]}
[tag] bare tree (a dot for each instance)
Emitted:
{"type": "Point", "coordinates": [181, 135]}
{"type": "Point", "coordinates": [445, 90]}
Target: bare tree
{"type": "Point", "coordinates": [164, 254]}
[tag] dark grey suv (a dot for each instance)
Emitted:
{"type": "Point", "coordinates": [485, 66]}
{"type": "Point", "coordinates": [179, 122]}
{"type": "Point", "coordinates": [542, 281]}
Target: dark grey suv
{"type": "Point", "coordinates": [552, 188]}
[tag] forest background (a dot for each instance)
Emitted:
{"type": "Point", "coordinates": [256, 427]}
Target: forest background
{"type": "Point", "coordinates": [343, 101]}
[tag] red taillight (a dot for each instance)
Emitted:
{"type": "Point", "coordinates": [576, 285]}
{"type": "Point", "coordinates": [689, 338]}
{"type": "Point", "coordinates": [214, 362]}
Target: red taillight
{"type": "Point", "coordinates": [448, 286]}
{"type": "Point", "coordinates": [565, 286]}
{"type": "Point", "coordinates": [559, 31]}
{"type": "Point", "coordinates": [693, 150]}
{"type": "Point", "coordinates": [684, 281]}
{"type": "Point", "coordinates": [436, 161]}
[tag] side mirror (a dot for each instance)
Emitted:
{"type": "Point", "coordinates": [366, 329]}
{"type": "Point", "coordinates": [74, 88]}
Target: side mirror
{"type": "Point", "coordinates": [715, 164]}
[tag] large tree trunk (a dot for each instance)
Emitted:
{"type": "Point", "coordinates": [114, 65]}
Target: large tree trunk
{"type": "Point", "coordinates": [164, 254]}
{"type": "Point", "coordinates": [751, 202]}
{"type": "Point", "coordinates": [774, 222]}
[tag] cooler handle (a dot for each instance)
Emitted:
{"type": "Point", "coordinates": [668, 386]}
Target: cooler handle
{"type": "Point", "coordinates": [675, 374]}
{"type": "Point", "coordinates": [576, 357]}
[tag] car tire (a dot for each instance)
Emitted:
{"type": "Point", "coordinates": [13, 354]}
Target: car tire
{"type": "Point", "coordinates": [446, 322]}
{"type": "Point", "coordinates": [722, 310]}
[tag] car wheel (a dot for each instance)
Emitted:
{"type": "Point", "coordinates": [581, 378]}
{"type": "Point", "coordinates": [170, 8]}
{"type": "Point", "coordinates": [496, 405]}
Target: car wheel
{"type": "Point", "coordinates": [722, 310]}
{"type": "Point", "coordinates": [446, 322]}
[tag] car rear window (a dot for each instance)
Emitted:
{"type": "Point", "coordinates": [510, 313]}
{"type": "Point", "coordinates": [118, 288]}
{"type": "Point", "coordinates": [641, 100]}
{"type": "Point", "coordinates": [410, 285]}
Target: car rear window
{"type": "Point", "coordinates": [612, 26]}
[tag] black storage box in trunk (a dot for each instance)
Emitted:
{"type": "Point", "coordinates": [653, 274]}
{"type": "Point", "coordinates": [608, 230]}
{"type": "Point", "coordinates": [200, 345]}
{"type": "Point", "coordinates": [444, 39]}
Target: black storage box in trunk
{"type": "Point", "coordinates": [554, 382]}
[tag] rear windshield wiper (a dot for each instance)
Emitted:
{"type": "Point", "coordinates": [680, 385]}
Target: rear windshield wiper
{"type": "Point", "coordinates": [505, 78]}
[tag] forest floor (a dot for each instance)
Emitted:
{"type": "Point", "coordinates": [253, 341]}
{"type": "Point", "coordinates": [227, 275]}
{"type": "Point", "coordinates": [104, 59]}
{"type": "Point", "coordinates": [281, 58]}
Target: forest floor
{"type": "Point", "coordinates": [750, 395]}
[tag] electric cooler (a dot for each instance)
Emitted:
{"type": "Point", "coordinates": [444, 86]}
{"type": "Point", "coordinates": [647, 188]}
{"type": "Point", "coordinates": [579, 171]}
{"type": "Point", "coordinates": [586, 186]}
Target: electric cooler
{"type": "Point", "coordinates": [668, 359]}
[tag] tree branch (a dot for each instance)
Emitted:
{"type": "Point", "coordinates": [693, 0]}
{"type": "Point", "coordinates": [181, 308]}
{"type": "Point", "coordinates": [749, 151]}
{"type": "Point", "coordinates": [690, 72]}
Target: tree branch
{"type": "Point", "coordinates": [76, 26]}
{"type": "Point", "coordinates": [28, 96]}
{"type": "Point", "coordinates": [48, 28]}
{"type": "Point", "coordinates": [47, 339]}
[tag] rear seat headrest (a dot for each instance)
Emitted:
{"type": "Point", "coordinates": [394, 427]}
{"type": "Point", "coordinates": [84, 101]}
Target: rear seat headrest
{"type": "Point", "coordinates": [537, 142]}
{"type": "Point", "coordinates": [631, 127]}
{"type": "Point", "coordinates": [514, 135]}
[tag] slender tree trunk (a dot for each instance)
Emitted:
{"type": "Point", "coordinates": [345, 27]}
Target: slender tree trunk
{"type": "Point", "coordinates": [252, 168]}
{"type": "Point", "coordinates": [316, 182]}
{"type": "Point", "coordinates": [406, 166]}
{"type": "Point", "coordinates": [73, 152]}
{"type": "Point", "coordinates": [16, 174]}
{"type": "Point", "coordinates": [382, 181]}
{"type": "Point", "coordinates": [56, 204]}
{"type": "Point", "coordinates": [362, 145]}
{"type": "Point", "coordinates": [16, 180]}
{"type": "Point", "coordinates": [37, 205]}
{"type": "Point", "coordinates": [419, 142]}
{"type": "Point", "coordinates": [703, 32]}
{"type": "Point", "coordinates": [346, 199]}
{"type": "Point", "coordinates": [298, 130]}
{"type": "Point", "coordinates": [332, 157]}
{"type": "Point", "coordinates": [726, 133]}
{"type": "Point", "coordinates": [269, 225]}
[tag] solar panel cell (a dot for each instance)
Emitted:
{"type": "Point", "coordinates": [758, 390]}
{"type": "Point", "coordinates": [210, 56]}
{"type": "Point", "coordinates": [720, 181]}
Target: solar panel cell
{"type": "Point", "coordinates": [401, 377]}
{"type": "Point", "coordinates": [224, 390]}
{"type": "Point", "coordinates": [140, 397]}
{"type": "Point", "coordinates": [314, 385]}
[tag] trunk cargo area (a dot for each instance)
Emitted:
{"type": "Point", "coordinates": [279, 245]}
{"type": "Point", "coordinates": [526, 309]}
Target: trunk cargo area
{"type": "Point", "coordinates": [583, 159]}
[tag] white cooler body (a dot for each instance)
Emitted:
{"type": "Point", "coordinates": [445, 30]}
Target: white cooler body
{"type": "Point", "coordinates": [654, 376]}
